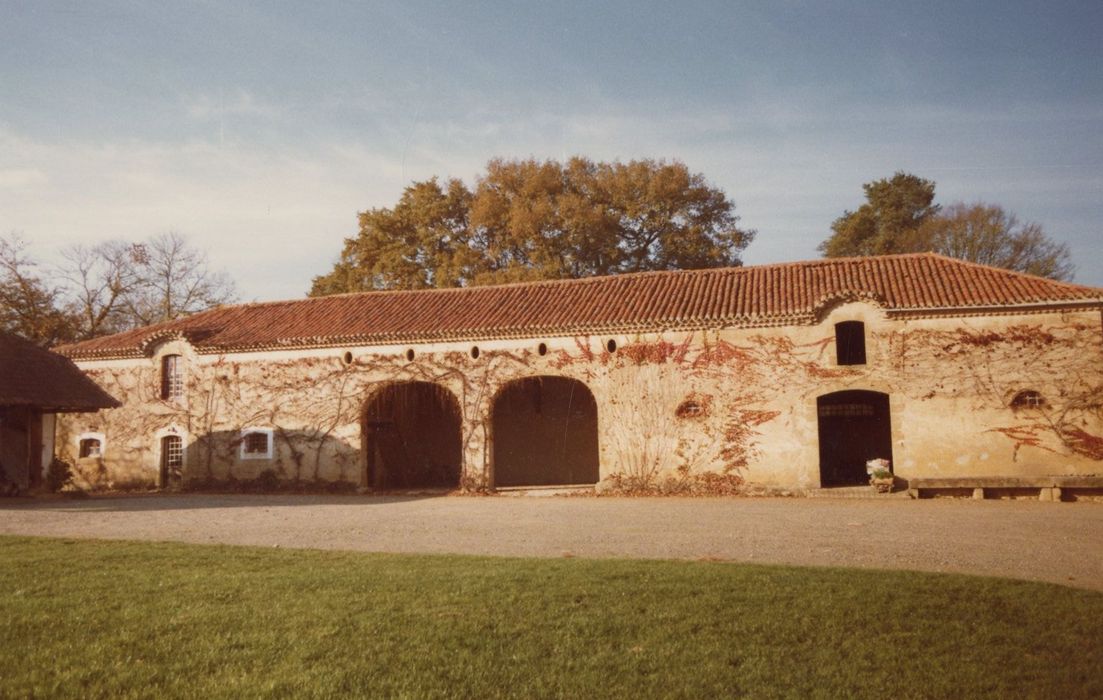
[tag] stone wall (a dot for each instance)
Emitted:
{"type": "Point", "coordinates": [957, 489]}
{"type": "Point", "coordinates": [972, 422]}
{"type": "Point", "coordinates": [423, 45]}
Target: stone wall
{"type": "Point", "coordinates": [669, 405]}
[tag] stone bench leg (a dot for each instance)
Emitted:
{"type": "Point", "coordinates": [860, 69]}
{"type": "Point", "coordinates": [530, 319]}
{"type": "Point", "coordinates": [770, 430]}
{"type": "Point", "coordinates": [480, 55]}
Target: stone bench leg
{"type": "Point", "coordinates": [978, 494]}
{"type": "Point", "coordinates": [1049, 494]}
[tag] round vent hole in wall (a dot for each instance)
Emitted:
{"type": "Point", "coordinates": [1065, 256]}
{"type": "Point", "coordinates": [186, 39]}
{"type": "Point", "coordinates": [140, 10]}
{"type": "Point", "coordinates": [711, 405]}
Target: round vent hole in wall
{"type": "Point", "coordinates": [474, 352]}
{"type": "Point", "coordinates": [542, 349]}
{"type": "Point", "coordinates": [347, 358]}
{"type": "Point", "coordinates": [611, 346]}
{"type": "Point", "coordinates": [410, 355]}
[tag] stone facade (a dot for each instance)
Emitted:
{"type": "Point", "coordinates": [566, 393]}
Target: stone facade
{"type": "Point", "coordinates": [998, 392]}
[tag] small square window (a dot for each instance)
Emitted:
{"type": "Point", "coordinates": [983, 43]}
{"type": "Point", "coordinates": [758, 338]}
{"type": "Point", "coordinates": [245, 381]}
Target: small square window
{"type": "Point", "coordinates": [91, 447]}
{"type": "Point", "coordinates": [256, 443]}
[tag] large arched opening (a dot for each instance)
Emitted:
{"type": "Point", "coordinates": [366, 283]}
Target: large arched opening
{"type": "Point", "coordinates": [412, 435]}
{"type": "Point", "coordinates": [854, 427]}
{"type": "Point", "coordinates": [545, 433]}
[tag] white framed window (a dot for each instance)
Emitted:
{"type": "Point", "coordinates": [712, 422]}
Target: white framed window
{"type": "Point", "coordinates": [170, 450]}
{"type": "Point", "coordinates": [90, 445]}
{"type": "Point", "coordinates": [256, 443]}
{"type": "Point", "coordinates": [172, 378]}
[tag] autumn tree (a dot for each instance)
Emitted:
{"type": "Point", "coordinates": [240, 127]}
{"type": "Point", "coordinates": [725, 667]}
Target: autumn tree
{"type": "Point", "coordinates": [421, 242]}
{"type": "Point", "coordinates": [529, 219]}
{"type": "Point", "coordinates": [900, 216]}
{"type": "Point", "coordinates": [988, 234]}
{"type": "Point", "coordinates": [888, 222]}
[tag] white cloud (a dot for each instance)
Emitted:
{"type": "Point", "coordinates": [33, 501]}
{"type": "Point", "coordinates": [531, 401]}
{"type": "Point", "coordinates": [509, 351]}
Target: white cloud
{"type": "Point", "coordinates": [20, 178]}
{"type": "Point", "coordinates": [276, 216]}
{"type": "Point", "coordinates": [272, 220]}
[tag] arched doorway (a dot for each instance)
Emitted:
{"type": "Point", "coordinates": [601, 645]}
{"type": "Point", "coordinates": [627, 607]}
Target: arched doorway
{"type": "Point", "coordinates": [412, 437]}
{"type": "Point", "coordinates": [545, 433]}
{"type": "Point", "coordinates": [854, 427]}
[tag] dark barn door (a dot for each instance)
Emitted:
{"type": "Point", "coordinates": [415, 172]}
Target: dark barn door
{"type": "Point", "coordinates": [412, 437]}
{"type": "Point", "coordinates": [854, 427]}
{"type": "Point", "coordinates": [545, 433]}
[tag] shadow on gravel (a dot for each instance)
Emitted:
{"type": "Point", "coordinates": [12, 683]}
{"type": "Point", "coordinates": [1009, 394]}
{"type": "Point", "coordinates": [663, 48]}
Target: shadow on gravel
{"type": "Point", "coordinates": [196, 501]}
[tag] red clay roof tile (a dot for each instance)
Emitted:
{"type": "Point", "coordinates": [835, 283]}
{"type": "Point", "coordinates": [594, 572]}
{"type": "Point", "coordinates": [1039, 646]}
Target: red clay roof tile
{"type": "Point", "coordinates": [789, 293]}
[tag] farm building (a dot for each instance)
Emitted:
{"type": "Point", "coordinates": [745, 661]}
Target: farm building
{"type": "Point", "coordinates": [790, 375]}
{"type": "Point", "coordinates": [35, 386]}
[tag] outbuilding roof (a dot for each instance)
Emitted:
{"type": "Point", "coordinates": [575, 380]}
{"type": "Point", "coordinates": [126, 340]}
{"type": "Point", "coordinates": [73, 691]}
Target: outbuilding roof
{"type": "Point", "coordinates": [33, 376]}
{"type": "Point", "coordinates": [781, 294]}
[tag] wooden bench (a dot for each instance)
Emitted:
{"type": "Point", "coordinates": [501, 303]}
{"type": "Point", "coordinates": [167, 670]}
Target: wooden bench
{"type": "Point", "coordinates": [1048, 488]}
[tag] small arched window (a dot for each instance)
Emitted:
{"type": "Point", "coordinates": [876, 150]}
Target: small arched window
{"type": "Point", "coordinates": [1028, 398]}
{"type": "Point", "coordinates": [172, 377]}
{"type": "Point", "coordinates": [850, 343]}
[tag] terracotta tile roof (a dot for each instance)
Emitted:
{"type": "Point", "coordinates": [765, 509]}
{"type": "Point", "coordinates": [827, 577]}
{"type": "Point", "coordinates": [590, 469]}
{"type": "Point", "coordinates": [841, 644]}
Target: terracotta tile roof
{"type": "Point", "coordinates": [32, 376]}
{"type": "Point", "coordinates": [790, 293]}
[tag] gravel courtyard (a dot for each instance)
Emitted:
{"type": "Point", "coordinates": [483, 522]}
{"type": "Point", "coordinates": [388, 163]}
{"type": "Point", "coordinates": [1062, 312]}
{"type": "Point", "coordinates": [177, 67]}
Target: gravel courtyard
{"type": "Point", "coordinates": [1056, 542]}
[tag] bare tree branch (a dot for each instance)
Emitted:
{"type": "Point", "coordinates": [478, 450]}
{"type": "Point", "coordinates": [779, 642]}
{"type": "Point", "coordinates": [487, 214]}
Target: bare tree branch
{"type": "Point", "coordinates": [29, 306]}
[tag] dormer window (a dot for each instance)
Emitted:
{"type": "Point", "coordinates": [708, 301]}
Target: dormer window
{"type": "Point", "coordinates": [172, 378]}
{"type": "Point", "coordinates": [850, 343]}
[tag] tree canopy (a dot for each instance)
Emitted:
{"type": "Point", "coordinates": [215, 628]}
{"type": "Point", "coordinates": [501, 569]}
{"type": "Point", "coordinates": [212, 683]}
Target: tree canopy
{"type": "Point", "coordinates": [988, 234]}
{"type": "Point", "coordinates": [887, 223]}
{"type": "Point", "coordinates": [900, 216]}
{"type": "Point", "coordinates": [530, 219]}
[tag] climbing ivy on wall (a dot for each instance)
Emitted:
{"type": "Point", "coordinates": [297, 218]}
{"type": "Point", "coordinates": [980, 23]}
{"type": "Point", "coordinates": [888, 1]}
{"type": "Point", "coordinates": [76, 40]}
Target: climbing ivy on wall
{"type": "Point", "coordinates": [650, 441]}
{"type": "Point", "coordinates": [987, 368]}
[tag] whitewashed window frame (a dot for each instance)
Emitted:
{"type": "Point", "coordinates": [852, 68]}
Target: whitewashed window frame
{"type": "Point", "coordinates": [269, 433]}
{"type": "Point", "coordinates": [91, 436]}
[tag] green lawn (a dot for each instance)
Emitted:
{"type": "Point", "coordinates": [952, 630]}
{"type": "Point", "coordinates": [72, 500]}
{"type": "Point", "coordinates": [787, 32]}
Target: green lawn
{"type": "Point", "coordinates": [97, 619]}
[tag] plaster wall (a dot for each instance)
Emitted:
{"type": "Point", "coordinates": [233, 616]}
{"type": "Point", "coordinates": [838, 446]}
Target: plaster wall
{"type": "Point", "coordinates": [739, 400]}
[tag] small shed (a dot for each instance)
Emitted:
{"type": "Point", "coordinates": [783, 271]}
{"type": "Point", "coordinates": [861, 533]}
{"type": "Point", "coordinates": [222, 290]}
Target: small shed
{"type": "Point", "coordinates": [36, 384]}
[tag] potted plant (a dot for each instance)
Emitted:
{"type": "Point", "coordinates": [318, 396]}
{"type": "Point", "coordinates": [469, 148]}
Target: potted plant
{"type": "Point", "coordinates": [880, 475]}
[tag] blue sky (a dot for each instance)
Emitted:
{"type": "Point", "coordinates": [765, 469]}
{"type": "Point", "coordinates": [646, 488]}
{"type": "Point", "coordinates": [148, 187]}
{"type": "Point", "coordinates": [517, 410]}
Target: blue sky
{"type": "Point", "coordinates": [258, 130]}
